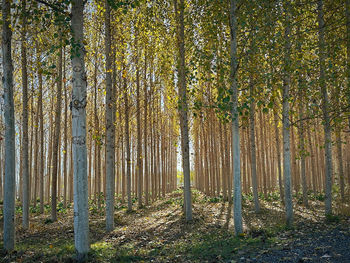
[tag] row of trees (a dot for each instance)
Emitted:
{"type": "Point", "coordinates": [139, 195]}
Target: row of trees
{"type": "Point", "coordinates": [250, 83]}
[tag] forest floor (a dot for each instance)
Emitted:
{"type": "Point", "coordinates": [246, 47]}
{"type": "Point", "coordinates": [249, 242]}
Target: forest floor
{"type": "Point", "coordinates": [159, 233]}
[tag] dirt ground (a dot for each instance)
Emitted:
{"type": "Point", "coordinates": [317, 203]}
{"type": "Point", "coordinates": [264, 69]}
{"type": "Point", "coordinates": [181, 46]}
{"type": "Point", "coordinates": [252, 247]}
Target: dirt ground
{"type": "Point", "coordinates": [159, 233]}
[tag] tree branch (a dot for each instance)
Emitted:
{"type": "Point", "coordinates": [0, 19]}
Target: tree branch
{"type": "Point", "coordinates": [54, 7]}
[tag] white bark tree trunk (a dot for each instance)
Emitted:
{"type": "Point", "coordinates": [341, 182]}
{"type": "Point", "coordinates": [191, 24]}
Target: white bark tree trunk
{"type": "Point", "coordinates": [237, 195]}
{"type": "Point", "coordinates": [41, 130]}
{"type": "Point", "coordinates": [78, 105]}
{"type": "Point", "coordinates": [25, 156]}
{"type": "Point", "coordinates": [127, 142]}
{"type": "Point", "coordinates": [183, 109]}
{"type": "Point", "coordinates": [9, 120]}
{"type": "Point", "coordinates": [301, 129]}
{"type": "Point", "coordinates": [56, 142]}
{"type": "Point", "coordinates": [139, 170]}
{"type": "Point", "coordinates": [325, 110]}
{"type": "Point", "coordinates": [253, 149]}
{"type": "Point", "coordinates": [145, 136]}
{"type": "Point", "coordinates": [110, 131]}
{"type": "Point", "coordinates": [286, 124]}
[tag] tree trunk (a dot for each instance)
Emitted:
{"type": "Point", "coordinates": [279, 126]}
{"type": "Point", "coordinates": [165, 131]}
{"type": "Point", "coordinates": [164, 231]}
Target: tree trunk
{"type": "Point", "coordinates": [253, 149]}
{"type": "Point", "coordinates": [347, 14]}
{"type": "Point", "coordinates": [237, 212]}
{"type": "Point", "coordinates": [325, 110]}
{"type": "Point", "coordinates": [286, 123]}
{"type": "Point", "coordinates": [145, 135]}
{"type": "Point", "coordinates": [25, 157]}
{"type": "Point", "coordinates": [97, 171]}
{"type": "Point", "coordinates": [302, 150]}
{"type": "Point", "coordinates": [110, 131]}
{"type": "Point", "coordinates": [183, 109]}
{"type": "Point", "coordinates": [138, 123]}
{"type": "Point", "coordinates": [9, 120]}
{"type": "Point", "coordinates": [65, 139]}
{"type": "Point", "coordinates": [340, 163]}
{"type": "Point", "coordinates": [81, 211]}
{"type": "Point", "coordinates": [127, 142]}
{"type": "Point", "coordinates": [56, 141]}
{"type": "Point", "coordinates": [42, 146]}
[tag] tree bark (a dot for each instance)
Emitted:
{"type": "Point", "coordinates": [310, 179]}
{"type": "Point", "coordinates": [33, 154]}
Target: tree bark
{"type": "Point", "coordinates": [183, 108]}
{"type": "Point", "coordinates": [65, 139]}
{"type": "Point", "coordinates": [139, 170]}
{"type": "Point", "coordinates": [347, 14]}
{"type": "Point", "coordinates": [42, 146]}
{"type": "Point", "coordinates": [56, 141]}
{"type": "Point", "coordinates": [340, 164]}
{"type": "Point", "coordinates": [237, 213]}
{"type": "Point", "coordinates": [145, 135]}
{"type": "Point", "coordinates": [25, 142]}
{"type": "Point", "coordinates": [127, 141]}
{"type": "Point", "coordinates": [81, 211]}
{"type": "Point", "coordinates": [9, 120]}
{"type": "Point", "coordinates": [325, 110]}
{"type": "Point", "coordinates": [302, 150]}
{"type": "Point", "coordinates": [110, 130]}
{"type": "Point", "coordinates": [286, 122]}
{"type": "Point", "coordinates": [253, 149]}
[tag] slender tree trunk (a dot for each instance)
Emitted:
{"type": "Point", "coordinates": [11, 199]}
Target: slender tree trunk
{"type": "Point", "coordinates": [312, 162]}
{"type": "Point", "coordinates": [253, 149]}
{"type": "Point", "coordinates": [65, 139]}
{"type": "Point", "coordinates": [325, 109]}
{"type": "Point", "coordinates": [340, 164]}
{"type": "Point", "coordinates": [9, 119]}
{"type": "Point", "coordinates": [42, 146]}
{"type": "Point", "coordinates": [71, 175]}
{"type": "Point", "coordinates": [302, 150]}
{"type": "Point", "coordinates": [263, 154]}
{"type": "Point", "coordinates": [347, 14]}
{"type": "Point", "coordinates": [36, 154]}
{"type": "Point", "coordinates": [286, 123]}
{"type": "Point", "coordinates": [237, 213]}
{"type": "Point", "coordinates": [223, 161]}
{"type": "Point", "coordinates": [127, 142]}
{"type": "Point", "coordinates": [110, 130]}
{"type": "Point", "coordinates": [25, 156]}
{"type": "Point", "coordinates": [145, 135]}
{"type": "Point", "coordinates": [139, 170]}
{"type": "Point", "coordinates": [183, 109]}
{"type": "Point", "coordinates": [97, 171]}
{"type": "Point", "coordinates": [56, 141]}
{"type": "Point", "coordinates": [81, 211]}
{"type": "Point", "coordinates": [302, 153]}
{"type": "Point", "coordinates": [49, 161]}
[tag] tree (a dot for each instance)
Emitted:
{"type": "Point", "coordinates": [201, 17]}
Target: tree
{"type": "Point", "coordinates": [56, 140]}
{"type": "Point", "coordinates": [183, 107]}
{"type": "Point", "coordinates": [285, 119]}
{"type": "Point", "coordinates": [78, 104]}
{"type": "Point", "coordinates": [253, 148]}
{"type": "Point", "coordinates": [138, 120]}
{"type": "Point", "coordinates": [110, 130]}
{"type": "Point", "coordinates": [237, 201]}
{"type": "Point", "coordinates": [347, 15]}
{"type": "Point", "coordinates": [25, 157]}
{"type": "Point", "coordinates": [9, 119]}
{"type": "Point", "coordinates": [325, 110]}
